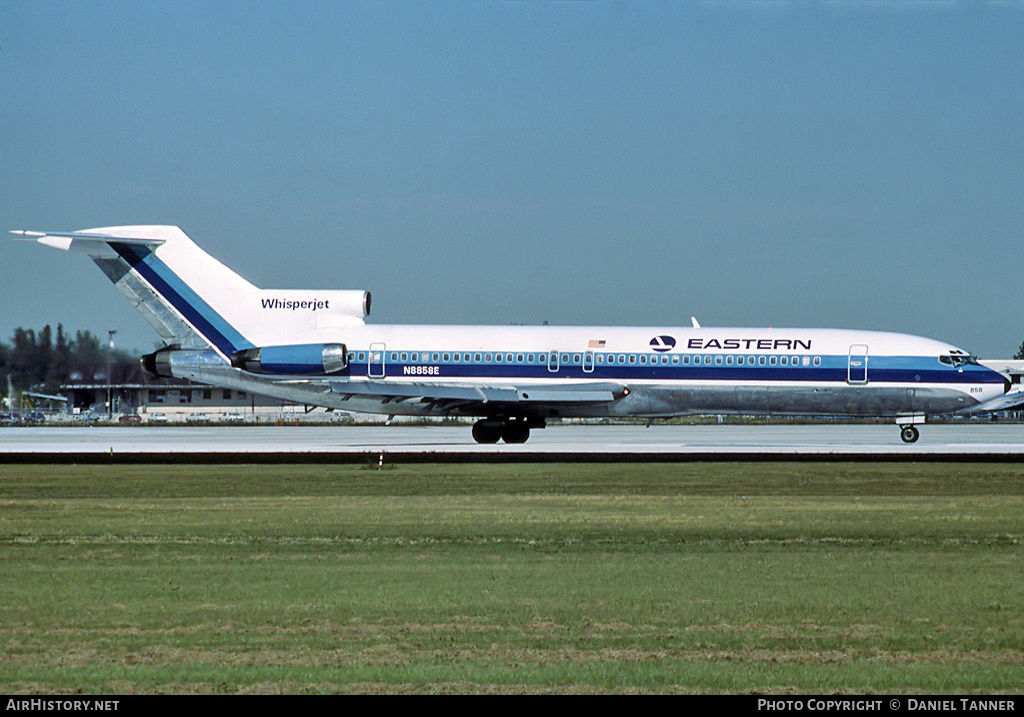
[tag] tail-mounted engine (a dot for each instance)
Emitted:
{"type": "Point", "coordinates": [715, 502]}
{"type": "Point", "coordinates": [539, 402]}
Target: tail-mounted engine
{"type": "Point", "coordinates": [304, 359]}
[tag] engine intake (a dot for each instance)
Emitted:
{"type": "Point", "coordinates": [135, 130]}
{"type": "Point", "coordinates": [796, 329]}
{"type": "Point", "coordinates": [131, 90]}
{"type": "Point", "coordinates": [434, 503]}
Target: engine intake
{"type": "Point", "coordinates": [158, 363]}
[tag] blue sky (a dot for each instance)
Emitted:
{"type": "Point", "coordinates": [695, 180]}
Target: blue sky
{"type": "Point", "coordinates": [829, 164]}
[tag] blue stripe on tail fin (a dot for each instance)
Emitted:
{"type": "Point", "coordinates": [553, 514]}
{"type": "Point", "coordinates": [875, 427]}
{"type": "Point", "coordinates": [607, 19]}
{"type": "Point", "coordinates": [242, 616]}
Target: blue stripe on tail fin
{"type": "Point", "coordinates": [210, 325]}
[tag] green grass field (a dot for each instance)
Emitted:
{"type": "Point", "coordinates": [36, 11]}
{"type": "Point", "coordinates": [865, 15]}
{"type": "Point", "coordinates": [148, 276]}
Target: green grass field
{"type": "Point", "coordinates": [722, 577]}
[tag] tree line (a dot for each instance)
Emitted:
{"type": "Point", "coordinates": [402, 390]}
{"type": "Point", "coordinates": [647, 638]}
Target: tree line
{"type": "Point", "coordinates": [44, 360]}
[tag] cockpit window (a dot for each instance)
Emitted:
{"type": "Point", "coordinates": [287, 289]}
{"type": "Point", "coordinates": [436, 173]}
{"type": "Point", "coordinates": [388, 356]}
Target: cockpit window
{"type": "Point", "coordinates": [958, 360]}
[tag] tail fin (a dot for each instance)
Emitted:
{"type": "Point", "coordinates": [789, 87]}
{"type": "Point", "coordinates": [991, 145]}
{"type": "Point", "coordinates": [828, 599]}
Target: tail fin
{"type": "Point", "coordinates": [194, 301]}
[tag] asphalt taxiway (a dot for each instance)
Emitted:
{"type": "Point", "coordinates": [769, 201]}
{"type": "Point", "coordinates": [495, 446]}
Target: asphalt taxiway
{"type": "Point", "coordinates": [414, 443]}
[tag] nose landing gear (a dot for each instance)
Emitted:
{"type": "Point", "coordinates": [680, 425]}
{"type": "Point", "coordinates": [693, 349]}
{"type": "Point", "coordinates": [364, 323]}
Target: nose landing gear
{"type": "Point", "coordinates": [908, 426]}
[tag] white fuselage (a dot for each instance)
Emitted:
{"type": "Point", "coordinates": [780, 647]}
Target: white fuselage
{"type": "Point", "coordinates": [667, 371]}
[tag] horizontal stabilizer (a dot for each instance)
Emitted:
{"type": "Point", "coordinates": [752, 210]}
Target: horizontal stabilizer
{"type": "Point", "coordinates": [85, 237]}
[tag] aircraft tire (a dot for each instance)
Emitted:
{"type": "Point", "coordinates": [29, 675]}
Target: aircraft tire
{"type": "Point", "coordinates": [487, 431]}
{"type": "Point", "coordinates": [515, 432]}
{"type": "Point", "coordinates": [909, 434]}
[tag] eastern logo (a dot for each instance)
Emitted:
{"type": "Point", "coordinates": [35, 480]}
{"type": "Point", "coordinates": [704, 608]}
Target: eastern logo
{"type": "Point", "coordinates": [663, 343]}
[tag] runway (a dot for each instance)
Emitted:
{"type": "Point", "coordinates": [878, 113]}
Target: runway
{"type": "Point", "coordinates": [439, 444]}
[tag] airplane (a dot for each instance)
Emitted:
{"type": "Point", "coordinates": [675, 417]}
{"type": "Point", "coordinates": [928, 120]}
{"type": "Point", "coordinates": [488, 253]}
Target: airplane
{"type": "Point", "coordinates": [316, 348]}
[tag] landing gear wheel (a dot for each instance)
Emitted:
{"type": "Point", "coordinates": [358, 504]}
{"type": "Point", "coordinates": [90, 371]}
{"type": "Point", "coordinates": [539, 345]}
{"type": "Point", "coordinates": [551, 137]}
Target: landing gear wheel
{"type": "Point", "coordinates": [492, 431]}
{"type": "Point", "coordinates": [515, 432]}
{"type": "Point", "coordinates": [487, 431]}
{"type": "Point", "coordinates": [909, 434]}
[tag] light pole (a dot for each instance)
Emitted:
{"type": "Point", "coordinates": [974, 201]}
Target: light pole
{"type": "Point", "coordinates": [110, 360]}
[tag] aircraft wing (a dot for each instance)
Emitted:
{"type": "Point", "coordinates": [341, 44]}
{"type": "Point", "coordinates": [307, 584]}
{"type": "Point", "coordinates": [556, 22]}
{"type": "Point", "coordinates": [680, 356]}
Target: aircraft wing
{"type": "Point", "coordinates": [1005, 402]}
{"type": "Point", "coordinates": [451, 395]}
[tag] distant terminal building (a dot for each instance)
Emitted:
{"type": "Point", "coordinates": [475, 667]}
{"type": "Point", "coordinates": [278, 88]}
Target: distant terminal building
{"type": "Point", "coordinates": [175, 400]}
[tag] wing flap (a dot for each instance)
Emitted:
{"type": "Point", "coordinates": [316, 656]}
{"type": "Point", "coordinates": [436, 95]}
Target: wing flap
{"type": "Point", "coordinates": [437, 391]}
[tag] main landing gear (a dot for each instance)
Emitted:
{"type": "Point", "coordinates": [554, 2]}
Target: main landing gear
{"type": "Point", "coordinates": [909, 434]}
{"type": "Point", "coordinates": [510, 430]}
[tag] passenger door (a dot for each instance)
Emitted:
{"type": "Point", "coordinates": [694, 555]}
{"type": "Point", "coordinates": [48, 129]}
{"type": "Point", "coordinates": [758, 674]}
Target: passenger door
{"type": "Point", "coordinates": [376, 361]}
{"type": "Point", "coordinates": [857, 365]}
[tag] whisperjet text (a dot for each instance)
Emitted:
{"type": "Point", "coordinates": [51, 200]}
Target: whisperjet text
{"type": "Point", "coordinates": [748, 344]}
{"type": "Point", "coordinates": [287, 304]}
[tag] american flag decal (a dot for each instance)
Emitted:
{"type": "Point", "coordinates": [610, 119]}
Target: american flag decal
{"type": "Point", "coordinates": [595, 344]}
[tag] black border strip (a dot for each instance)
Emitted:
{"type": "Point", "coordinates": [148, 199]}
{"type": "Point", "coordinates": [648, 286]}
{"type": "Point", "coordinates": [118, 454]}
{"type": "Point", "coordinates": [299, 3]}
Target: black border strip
{"type": "Point", "coordinates": [415, 457]}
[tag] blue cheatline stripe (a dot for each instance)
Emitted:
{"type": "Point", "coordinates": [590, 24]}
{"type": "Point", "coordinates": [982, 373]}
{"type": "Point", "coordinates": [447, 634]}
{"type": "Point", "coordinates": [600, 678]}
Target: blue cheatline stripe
{"type": "Point", "coordinates": [210, 325]}
{"type": "Point", "coordinates": [833, 369]}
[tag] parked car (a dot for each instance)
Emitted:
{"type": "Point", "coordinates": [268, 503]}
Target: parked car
{"type": "Point", "coordinates": [197, 418]}
{"type": "Point", "coordinates": [130, 418]}
{"type": "Point", "coordinates": [158, 417]}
